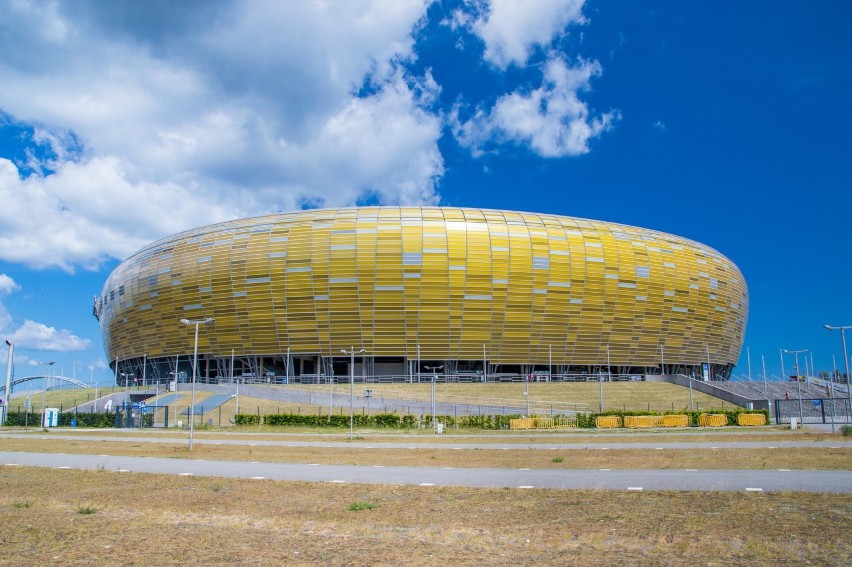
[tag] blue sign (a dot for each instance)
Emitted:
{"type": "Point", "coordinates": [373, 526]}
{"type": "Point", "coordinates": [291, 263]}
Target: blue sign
{"type": "Point", "coordinates": [817, 403]}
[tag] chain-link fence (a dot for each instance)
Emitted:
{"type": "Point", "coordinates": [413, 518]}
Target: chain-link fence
{"type": "Point", "coordinates": [143, 417]}
{"type": "Point", "coordinates": [813, 410]}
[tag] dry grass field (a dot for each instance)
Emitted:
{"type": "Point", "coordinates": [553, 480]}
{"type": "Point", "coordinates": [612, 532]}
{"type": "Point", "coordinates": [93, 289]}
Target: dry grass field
{"type": "Point", "coordinates": [656, 396]}
{"type": "Point", "coordinates": [63, 517]}
{"type": "Point", "coordinates": [544, 396]}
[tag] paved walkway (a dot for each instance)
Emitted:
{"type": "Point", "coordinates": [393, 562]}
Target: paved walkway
{"type": "Point", "coordinates": [602, 479]}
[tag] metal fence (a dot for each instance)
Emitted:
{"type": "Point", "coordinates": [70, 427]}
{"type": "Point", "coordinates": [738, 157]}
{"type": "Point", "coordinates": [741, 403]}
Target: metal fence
{"type": "Point", "coordinates": [813, 410]}
{"type": "Point", "coordinates": [142, 418]}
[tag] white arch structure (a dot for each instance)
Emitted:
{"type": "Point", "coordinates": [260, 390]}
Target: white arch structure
{"type": "Point", "coordinates": [42, 377]}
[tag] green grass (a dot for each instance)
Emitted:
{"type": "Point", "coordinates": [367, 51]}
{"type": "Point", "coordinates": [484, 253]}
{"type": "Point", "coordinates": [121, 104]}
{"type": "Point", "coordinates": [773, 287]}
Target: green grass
{"type": "Point", "coordinates": [358, 506]}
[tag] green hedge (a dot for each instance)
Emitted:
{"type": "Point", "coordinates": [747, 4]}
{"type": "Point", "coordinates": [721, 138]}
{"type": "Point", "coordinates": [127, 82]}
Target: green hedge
{"type": "Point", "coordinates": [247, 419]}
{"type": "Point", "coordinates": [33, 419]}
{"type": "Point", "coordinates": [381, 420]}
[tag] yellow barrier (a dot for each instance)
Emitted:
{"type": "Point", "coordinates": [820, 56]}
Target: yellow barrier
{"type": "Point", "coordinates": [639, 421]}
{"type": "Point", "coordinates": [607, 421]}
{"type": "Point", "coordinates": [543, 423]}
{"type": "Point", "coordinates": [555, 423]}
{"type": "Point", "coordinates": [751, 419]}
{"type": "Point", "coordinates": [675, 420]}
{"type": "Point", "coordinates": [522, 423]}
{"type": "Point", "coordinates": [712, 420]}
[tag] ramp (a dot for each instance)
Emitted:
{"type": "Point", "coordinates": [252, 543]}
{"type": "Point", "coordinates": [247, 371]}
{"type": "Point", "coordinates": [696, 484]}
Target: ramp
{"type": "Point", "coordinates": [210, 403]}
{"type": "Point", "coordinates": [167, 400]}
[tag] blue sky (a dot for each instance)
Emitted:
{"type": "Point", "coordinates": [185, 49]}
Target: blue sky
{"type": "Point", "coordinates": [726, 123]}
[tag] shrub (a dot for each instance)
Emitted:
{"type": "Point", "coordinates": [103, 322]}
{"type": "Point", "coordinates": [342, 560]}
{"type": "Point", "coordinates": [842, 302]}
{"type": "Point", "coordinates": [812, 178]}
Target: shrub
{"type": "Point", "coordinates": [846, 430]}
{"type": "Point", "coordinates": [247, 419]}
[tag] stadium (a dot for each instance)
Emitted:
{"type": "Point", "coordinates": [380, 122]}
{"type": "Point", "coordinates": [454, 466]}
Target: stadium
{"type": "Point", "coordinates": [464, 293]}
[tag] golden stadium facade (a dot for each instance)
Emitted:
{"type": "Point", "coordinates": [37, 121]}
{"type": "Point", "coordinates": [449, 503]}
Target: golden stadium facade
{"type": "Point", "coordinates": [481, 293]}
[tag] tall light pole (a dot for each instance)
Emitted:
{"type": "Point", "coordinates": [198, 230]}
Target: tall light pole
{"type": "Point", "coordinates": [798, 384]}
{"type": "Point", "coordinates": [609, 373]}
{"type": "Point", "coordinates": [351, 352]}
{"type": "Point", "coordinates": [44, 386]}
{"type": "Point", "coordinates": [8, 381]}
{"type": "Point", "coordinates": [197, 323]}
{"type": "Point", "coordinates": [840, 328]}
{"type": "Point", "coordinates": [434, 370]}
{"type": "Point", "coordinates": [748, 357]}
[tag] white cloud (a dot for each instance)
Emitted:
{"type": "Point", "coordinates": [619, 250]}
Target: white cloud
{"type": "Point", "coordinates": [551, 119]}
{"type": "Point", "coordinates": [167, 117]}
{"type": "Point", "coordinates": [97, 364]}
{"type": "Point", "coordinates": [511, 29]}
{"type": "Point", "coordinates": [32, 335]}
{"type": "Point", "coordinates": [37, 336]}
{"type": "Point", "coordinates": [7, 285]}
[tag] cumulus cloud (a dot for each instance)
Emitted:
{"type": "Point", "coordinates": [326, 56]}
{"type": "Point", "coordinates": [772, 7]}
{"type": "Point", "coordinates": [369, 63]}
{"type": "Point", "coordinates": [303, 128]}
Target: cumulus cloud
{"type": "Point", "coordinates": [159, 118]}
{"type": "Point", "coordinates": [551, 119]}
{"type": "Point", "coordinates": [32, 335]}
{"type": "Point", "coordinates": [7, 285]}
{"type": "Point", "coordinates": [511, 29]}
{"type": "Point", "coordinates": [37, 336]}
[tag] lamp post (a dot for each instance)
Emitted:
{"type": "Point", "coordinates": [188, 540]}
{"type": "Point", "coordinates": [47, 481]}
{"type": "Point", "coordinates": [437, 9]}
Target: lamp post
{"type": "Point", "coordinates": [748, 357]}
{"type": "Point", "coordinates": [434, 370]}
{"type": "Point", "coordinates": [46, 365]}
{"type": "Point", "coordinates": [840, 328]}
{"type": "Point", "coordinates": [351, 352]}
{"type": "Point", "coordinates": [798, 384]}
{"type": "Point", "coordinates": [197, 323]}
{"type": "Point", "coordinates": [8, 381]}
{"type": "Point", "coordinates": [600, 378]}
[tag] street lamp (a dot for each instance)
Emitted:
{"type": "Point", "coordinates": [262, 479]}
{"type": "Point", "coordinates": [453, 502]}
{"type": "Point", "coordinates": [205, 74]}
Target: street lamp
{"type": "Point", "coordinates": [8, 381]}
{"type": "Point", "coordinates": [44, 385]}
{"type": "Point", "coordinates": [609, 373]}
{"type": "Point", "coordinates": [197, 323]}
{"type": "Point", "coordinates": [798, 384]}
{"type": "Point", "coordinates": [351, 352]}
{"type": "Point", "coordinates": [840, 328]}
{"type": "Point", "coordinates": [434, 370]}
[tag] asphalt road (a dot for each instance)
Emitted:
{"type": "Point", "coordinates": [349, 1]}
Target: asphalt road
{"type": "Point", "coordinates": [604, 479]}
